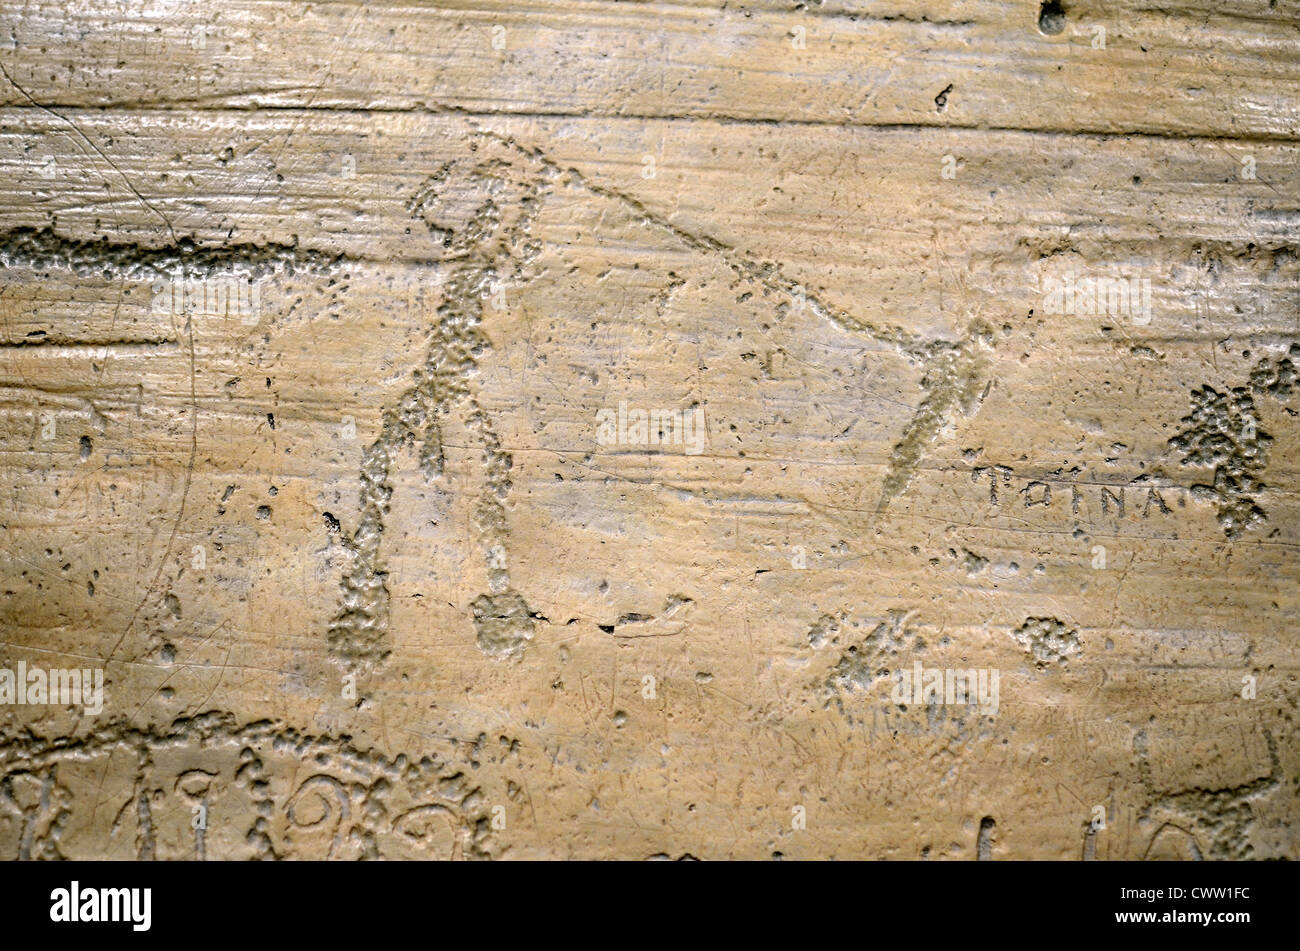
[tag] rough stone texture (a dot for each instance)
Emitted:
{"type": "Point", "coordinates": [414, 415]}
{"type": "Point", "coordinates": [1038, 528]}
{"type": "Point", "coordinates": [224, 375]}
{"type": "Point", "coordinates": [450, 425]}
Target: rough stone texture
{"type": "Point", "coordinates": [362, 574]}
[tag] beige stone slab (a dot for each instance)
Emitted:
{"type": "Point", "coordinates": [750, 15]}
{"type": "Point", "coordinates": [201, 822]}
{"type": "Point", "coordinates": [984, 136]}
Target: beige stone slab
{"type": "Point", "coordinates": [389, 463]}
{"type": "Point", "coordinates": [1185, 69]}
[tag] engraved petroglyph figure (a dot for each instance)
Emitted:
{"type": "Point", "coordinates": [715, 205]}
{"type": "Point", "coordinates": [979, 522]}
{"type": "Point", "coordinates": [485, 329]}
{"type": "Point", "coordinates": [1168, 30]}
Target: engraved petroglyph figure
{"type": "Point", "coordinates": [494, 225]}
{"type": "Point", "coordinates": [34, 808]}
{"type": "Point", "coordinates": [247, 797]}
{"type": "Point", "coordinates": [479, 213]}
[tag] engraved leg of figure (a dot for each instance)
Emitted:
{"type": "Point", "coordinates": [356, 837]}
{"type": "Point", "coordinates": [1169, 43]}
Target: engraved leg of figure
{"type": "Point", "coordinates": [21, 793]}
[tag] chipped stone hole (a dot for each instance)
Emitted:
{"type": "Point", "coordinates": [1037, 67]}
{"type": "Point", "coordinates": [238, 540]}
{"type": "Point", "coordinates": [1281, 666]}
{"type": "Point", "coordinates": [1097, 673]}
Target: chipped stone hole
{"type": "Point", "coordinates": [984, 841]}
{"type": "Point", "coordinates": [637, 621]}
{"type": "Point", "coordinates": [1051, 18]}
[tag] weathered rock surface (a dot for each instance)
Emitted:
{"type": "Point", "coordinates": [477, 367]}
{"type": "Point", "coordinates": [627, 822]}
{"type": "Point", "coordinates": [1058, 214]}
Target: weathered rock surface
{"type": "Point", "coordinates": [586, 429]}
